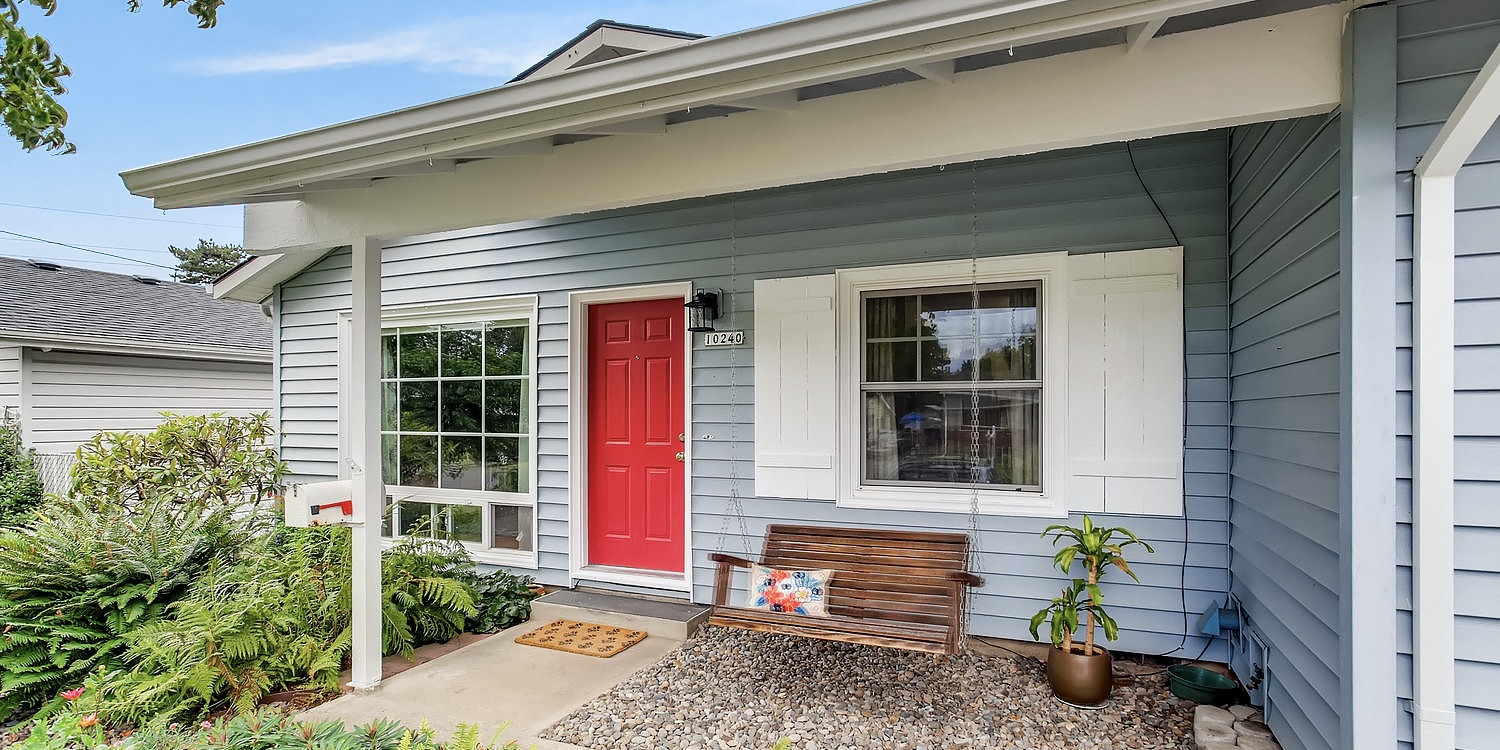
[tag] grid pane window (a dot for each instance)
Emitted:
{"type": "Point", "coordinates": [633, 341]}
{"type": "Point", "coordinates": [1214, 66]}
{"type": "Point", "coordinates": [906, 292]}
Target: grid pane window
{"type": "Point", "coordinates": [951, 388]}
{"type": "Point", "coordinates": [455, 415]}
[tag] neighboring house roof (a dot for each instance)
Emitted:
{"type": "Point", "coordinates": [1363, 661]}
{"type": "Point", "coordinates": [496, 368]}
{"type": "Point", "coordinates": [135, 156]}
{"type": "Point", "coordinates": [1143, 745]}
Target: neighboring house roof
{"type": "Point", "coordinates": [74, 308]}
{"type": "Point", "coordinates": [605, 40]}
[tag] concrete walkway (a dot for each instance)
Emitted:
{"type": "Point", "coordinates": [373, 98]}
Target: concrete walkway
{"type": "Point", "coordinates": [495, 681]}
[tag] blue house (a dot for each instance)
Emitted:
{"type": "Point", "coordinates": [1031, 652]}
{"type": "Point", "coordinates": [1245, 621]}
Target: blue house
{"type": "Point", "coordinates": [1221, 271]}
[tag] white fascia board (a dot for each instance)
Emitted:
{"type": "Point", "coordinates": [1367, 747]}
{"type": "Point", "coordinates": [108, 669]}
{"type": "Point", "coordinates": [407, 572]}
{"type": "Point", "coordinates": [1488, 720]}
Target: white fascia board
{"type": "Point", "coordinates": [256, 281]}
{"type": "Point", "coordinates": [831, 46]}
{"type": "Point", "coordinates": [108, 345]}
{"type": "Point", "coordinates": [1229, 75]}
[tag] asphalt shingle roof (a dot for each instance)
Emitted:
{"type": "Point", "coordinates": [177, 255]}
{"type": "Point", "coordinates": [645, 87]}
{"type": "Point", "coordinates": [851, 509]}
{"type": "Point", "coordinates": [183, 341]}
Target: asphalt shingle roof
{"type": "Point", "coordinates": [80, 302]}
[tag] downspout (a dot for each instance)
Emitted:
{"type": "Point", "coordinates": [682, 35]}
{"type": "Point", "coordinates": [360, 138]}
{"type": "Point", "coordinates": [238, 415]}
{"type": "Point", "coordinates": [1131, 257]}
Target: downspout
{"type": "Point", "coordinates": [1433, 406]}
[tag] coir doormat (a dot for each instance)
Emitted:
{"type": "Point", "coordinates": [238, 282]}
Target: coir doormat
{"type": "Point", "coordinates": [587, 638]}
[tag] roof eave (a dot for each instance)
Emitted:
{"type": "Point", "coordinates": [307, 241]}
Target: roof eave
{"type": "Point", "coordinates": [876, 35]}
{"type": "Point", "coordinates": [114, 345]}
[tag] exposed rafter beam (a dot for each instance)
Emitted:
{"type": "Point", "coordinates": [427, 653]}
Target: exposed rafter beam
{"type": "Point", "coordinates": [937, 72]}
{"type": "Point", "coordinates": [785, 101]}
{"type": "Point", "coordinates": [646, 126]}
{"type": "Point", "coordinates": [427, 166]}
{"type": "Point", "coordinates": [539, 147]}
{"type": "Point", "coordinates": [1141, 34]}
{"type": "Point", "coordinates": [339, 184]}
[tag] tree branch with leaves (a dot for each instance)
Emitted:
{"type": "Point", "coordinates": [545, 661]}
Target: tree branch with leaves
{"type": "Point", "coordinates": [31, 74]}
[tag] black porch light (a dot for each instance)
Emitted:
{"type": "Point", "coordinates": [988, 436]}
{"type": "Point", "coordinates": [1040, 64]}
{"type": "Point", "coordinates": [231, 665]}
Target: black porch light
{"type": "Point", "coordinates": [702, 310]}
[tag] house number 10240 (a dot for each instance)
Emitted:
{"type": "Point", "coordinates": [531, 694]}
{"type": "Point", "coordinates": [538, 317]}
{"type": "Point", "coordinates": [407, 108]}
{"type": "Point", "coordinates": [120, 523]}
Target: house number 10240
{"type": "Point", "coordinates": [723, 338]}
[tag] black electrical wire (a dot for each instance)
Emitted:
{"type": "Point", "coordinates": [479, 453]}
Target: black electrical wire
{"type": "Point", "coordinates": [1181, 570]}
{"type": "Point", "coordinates": [1129, 151]}
{"type": "Point", "coordinates": [84, 249]}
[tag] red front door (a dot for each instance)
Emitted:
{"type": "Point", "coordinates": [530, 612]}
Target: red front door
{"type": "Point", "coordinates": [635, 430]}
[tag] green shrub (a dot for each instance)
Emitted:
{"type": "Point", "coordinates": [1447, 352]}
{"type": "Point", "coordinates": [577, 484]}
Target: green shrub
{"type": "Point", "coordinates": [80, 577]}
{"type": "Point", "coordinates": [214, 460]}
{"type": "Point", "coordinates": [501, 600]}
{"type": "Point", "coordinates": [424, 598]}
{"type": "Point", "coordinates": [149, 514]}
{"type": "Point", "coordinates": [279, 617]}
{"type": "Point", "coordinates": [20, 485]}
{"type": "Point", "coordinates": [78, 727]}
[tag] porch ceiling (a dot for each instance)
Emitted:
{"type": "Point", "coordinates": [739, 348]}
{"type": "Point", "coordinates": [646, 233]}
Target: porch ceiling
{"type": "Point", "coordinates": [774, 67]}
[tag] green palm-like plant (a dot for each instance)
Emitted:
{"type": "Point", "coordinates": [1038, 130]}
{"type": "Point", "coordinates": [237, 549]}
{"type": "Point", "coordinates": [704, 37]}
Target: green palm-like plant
{"type": "Point", "coordinates": [1097, 549]}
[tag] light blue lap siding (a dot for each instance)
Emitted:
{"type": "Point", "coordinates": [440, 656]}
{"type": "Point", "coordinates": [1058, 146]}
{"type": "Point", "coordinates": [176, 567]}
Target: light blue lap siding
{"type": "Point", "coordinates": [1284, 412]}
{"type": "Point", "coordinates": [1440, 47]}
{"type": "Point", "coordinates": [1085, 200]}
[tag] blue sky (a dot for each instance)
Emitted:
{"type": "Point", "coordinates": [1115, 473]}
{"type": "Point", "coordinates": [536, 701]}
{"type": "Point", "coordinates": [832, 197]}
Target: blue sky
{"type": "Point", "coordinates": [149, 87]}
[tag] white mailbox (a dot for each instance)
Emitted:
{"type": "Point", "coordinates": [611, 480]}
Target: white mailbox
{"type": "Point", "coordinates": [320, 504]}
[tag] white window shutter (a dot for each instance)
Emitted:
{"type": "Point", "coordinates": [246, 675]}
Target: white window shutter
{"type": "Point", "coordinates": [796, 388]}
{"type": "Point", "coordinates": [1125, 382]}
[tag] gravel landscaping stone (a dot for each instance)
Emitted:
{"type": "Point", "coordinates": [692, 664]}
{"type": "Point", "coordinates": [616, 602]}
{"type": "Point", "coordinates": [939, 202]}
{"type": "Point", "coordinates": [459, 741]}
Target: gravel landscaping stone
{"type": "Point", "coordinates": [729, 689]}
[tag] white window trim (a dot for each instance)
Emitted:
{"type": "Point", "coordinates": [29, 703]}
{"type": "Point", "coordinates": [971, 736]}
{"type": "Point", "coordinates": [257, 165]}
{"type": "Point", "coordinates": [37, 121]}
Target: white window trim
{"type": "Point", "coordinates": [449, 313]}
{"type": "Point", "coordinates": [1050, 270]}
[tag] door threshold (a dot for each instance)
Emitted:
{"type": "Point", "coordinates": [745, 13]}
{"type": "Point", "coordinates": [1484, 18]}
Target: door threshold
{"type": "Point", "coordinates": [650, 579]}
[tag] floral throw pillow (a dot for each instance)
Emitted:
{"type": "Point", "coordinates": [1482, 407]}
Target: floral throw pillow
{"type": "Point", "coordinates": [802, 592]}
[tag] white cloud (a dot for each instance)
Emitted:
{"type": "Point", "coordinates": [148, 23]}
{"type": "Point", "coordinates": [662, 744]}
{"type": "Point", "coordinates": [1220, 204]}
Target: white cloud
{"type": "Point", "coordinates": [470, 48]}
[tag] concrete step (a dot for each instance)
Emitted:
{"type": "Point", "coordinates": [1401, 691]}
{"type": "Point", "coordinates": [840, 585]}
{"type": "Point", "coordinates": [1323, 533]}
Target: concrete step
{"type": "Point", "coordinates": [665, 618]}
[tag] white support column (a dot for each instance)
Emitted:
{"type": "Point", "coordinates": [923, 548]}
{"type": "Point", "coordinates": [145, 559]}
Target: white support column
{"type": "Point", "coordinates": [1435, 200]}
{"type": "Point", "coordinates": [1432, 465]}
{"type": "Point", "coordinates": [369, 488]}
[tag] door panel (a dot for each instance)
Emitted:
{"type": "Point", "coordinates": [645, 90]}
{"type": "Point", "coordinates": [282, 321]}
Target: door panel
{"type": "Point", "coordinates": [635, 407]}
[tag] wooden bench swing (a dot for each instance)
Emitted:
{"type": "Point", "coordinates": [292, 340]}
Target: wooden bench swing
{"type": "Point", "coordinates": [895, 589]}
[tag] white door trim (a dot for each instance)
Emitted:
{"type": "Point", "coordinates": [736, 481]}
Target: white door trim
{"type": "Point", "coordinates": [578, 568]}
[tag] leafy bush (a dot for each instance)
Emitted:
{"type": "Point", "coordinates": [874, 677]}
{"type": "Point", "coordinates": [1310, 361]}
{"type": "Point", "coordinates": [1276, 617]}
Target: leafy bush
{"type": "Point", "coordinates": [501, 600]}
{"type": "Point", "coordinates": [20, 485]}
{"type": "Point", "coordinates": [424, 597]}
{"type": "Point", "coordinates": [78, 727]}
{"type": "Point", "coordinates": [150, 514]}
{"type": "Point", "coordinates": [214, 460]}
{"type": "Point", "coordinates": [80, 577]}
{"type": "Point", "coordinates": [278, 617]}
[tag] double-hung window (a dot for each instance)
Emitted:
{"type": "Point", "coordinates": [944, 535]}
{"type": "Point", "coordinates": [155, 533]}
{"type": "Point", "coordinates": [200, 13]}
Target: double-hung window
{"type": "Point", "coordinates": [457, 388]}
{"type": "Point", "coordinates": [952, 382]}
{"type": "Point", "coordinates": [1033, 384]}
{"type": "Point", "coordinates": [951, 389]}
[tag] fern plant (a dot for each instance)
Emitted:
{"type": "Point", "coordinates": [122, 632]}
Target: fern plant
{"type": "Point", "coordinates": [79, 578]}
{"type": "Point", "coordinates": [423, 597]}
{"type": "Point", "coordinates": [278, 617]}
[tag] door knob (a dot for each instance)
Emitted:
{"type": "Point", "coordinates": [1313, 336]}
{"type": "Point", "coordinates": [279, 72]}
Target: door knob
{"type": "Point", "coordinates": [680, 456]}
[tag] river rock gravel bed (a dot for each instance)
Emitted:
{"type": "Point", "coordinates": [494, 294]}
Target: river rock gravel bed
{"type": "Point", "coordinates": [729, 689]}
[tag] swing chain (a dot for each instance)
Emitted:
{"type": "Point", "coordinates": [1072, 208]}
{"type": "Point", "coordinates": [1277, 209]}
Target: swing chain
{"type": "Point", "coordinates": [974, 453]}
{"type": "Point", "coordinates": [736, 506]}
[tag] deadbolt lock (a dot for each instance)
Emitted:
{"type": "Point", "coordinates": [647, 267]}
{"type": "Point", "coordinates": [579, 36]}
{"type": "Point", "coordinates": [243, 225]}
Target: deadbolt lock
{"type": "Point", "coordinates": [680, 456]}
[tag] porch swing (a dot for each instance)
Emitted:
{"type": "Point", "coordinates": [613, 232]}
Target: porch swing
{"type": "Point", "coordinates": [888, 588]}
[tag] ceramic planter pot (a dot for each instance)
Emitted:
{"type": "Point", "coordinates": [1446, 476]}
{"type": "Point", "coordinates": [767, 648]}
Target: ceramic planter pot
{"type": "Point", "coordinates": [1079, 680]}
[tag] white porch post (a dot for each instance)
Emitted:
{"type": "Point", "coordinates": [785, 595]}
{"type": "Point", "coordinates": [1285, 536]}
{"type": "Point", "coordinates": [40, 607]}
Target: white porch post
{"type": "Point", "coordinates": [1433, 406]}
{"type": "Point", "coordinates": [369, 489]}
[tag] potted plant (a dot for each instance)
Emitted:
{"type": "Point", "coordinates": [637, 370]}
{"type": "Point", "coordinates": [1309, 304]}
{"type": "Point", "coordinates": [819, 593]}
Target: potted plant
{"type": "Point", "coordinates": [1080, 674]}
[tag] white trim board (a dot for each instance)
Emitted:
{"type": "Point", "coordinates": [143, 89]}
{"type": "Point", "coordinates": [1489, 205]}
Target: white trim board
{"type": "Point", "coordinates": [578, 569]}
{"type": "Point", "coordinates": [1217, 77]}
{"type": "Point", "coordinates": [434, 313]}
{"type": "Point", "coordinates": [827, 47]}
